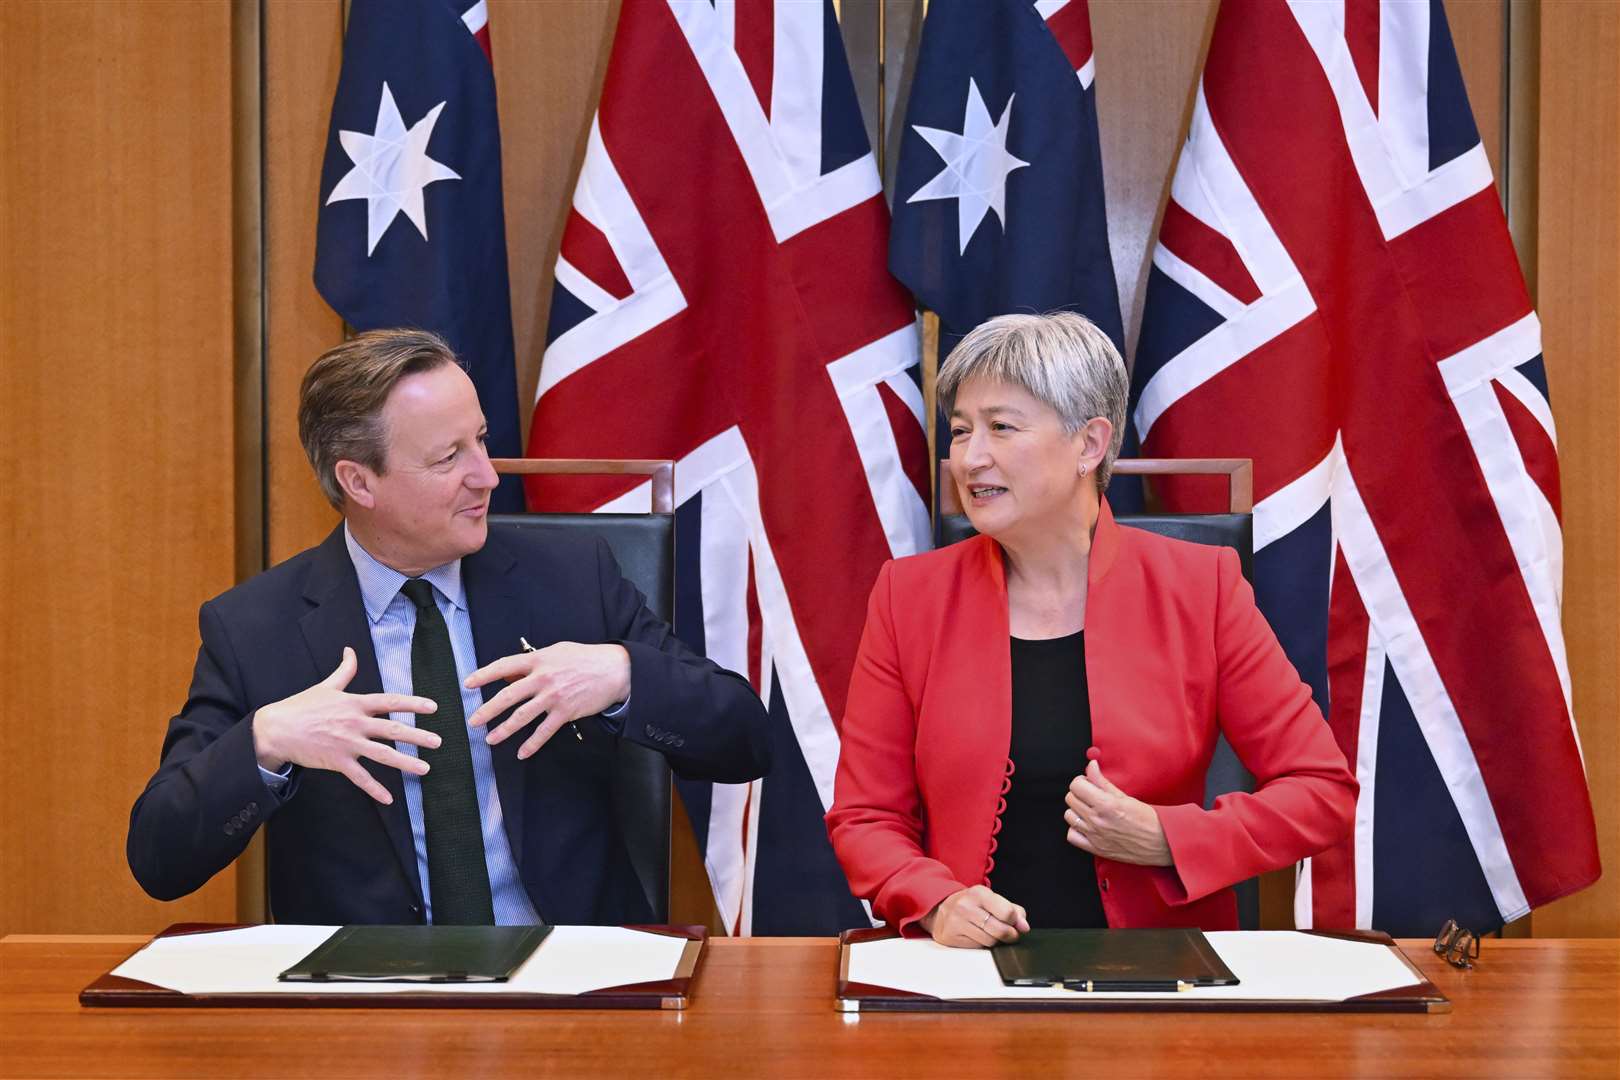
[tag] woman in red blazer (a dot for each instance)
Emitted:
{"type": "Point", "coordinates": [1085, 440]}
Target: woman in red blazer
{"type": "Point", "coordinates": [1033, 711]}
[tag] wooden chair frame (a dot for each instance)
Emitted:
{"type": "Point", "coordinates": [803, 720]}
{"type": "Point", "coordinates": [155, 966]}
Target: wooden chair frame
{"type": "Point", "coordinates": [661, 470]}
{"type": "Point", "coordinates": [1239, 473]}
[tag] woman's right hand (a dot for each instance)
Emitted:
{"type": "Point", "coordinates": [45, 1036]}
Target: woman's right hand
{"type": "Point", "coordinates": [975, 918]}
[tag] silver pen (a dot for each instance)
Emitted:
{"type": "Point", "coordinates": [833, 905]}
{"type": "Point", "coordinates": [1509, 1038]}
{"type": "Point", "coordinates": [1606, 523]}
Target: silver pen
{"type": "Point", "coordinates": [523, 641]}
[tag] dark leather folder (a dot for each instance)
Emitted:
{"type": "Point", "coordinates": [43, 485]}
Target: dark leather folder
{"type": "Point", "coordinates": [419, 954]}
{"type": "Point", "coordinates": [1112, 960]}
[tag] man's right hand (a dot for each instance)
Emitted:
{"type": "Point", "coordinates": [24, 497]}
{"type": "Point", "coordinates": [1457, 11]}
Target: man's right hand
{"type": "Point", "coordinates": [325, 728]}
{"type": "Point", "coordinates": [975, 918]}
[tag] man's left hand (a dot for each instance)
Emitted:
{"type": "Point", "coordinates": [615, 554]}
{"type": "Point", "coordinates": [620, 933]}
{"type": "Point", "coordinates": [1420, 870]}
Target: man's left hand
{"type": "Point", "coordinates": [558, 685]}
{"type": "Point", "coordinates": [1109, 823]}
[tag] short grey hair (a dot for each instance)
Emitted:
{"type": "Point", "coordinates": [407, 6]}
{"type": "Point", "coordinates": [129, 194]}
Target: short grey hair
{"type": "Point", "coordinates": [341, 400]}
{"type": "Point", "coordinates": [1060, 358]}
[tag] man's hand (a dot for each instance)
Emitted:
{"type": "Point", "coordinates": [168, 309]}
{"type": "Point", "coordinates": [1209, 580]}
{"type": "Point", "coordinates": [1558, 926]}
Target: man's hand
{"type": "Point", "coordinates": [557, 685]}
{"type": "Point", "coordinates": [975, 918]}
{"type": "Point", "coordinates": [325, 728]}
{"type": "Point", "coordinates": [1105, 821]}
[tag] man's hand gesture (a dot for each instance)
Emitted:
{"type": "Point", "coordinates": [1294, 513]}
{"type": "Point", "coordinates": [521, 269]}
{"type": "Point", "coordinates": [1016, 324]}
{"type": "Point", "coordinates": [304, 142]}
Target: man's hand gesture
{"type": "Point", "coordinates": [554, 686]}
{"type": "Point", "coordinates": [326, 728]}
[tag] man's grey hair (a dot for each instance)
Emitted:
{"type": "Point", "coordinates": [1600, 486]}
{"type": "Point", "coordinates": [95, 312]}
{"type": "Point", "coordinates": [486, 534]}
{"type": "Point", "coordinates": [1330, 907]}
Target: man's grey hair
{"type": "Point", "coordinates": [341, 400]}
{"type": "Point", "coordinates": [1060, 358]}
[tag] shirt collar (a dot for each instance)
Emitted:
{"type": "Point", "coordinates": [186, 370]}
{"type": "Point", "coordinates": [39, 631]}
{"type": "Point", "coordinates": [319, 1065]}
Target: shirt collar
{"type": "Point", "coordinates": [379, 584]}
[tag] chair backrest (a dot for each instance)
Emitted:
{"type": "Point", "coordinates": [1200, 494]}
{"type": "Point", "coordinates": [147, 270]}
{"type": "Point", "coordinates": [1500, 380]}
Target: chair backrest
{"type": "Point", "coordinates": [644, 545]}
{"type": "Point", "coordinates": [1233, 529]}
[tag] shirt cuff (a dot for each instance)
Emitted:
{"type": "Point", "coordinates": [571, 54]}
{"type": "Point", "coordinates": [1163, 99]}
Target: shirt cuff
{"type": "Point", "coordinates": [613, 719]}
{"type": "Point", "coordinates": [276, 781]}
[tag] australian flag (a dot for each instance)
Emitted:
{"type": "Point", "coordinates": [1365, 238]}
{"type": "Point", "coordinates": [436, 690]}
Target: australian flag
{"type": "Point", "coordinates": [412, 230]}
{"type": "Point", "coordinates": [999, 201]}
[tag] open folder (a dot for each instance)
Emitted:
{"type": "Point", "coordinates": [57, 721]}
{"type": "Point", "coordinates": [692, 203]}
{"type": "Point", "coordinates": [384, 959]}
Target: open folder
{"type": "Point", "coordinates": [1273, 971]}
{"type": "Point", "coordinates": [573, 967]}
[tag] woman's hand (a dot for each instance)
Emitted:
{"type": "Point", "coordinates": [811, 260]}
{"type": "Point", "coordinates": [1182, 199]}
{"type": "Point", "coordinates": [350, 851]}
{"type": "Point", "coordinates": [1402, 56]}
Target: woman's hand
{"type": "Point", "coordinates": [975, 918]}
{"type": "Point", "coordinates": [1109, 823]}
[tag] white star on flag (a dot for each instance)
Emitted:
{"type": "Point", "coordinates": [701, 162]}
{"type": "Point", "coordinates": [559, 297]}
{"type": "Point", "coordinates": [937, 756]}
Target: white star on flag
{"type": "Point", "coordinates": [391, 167]}
{"type": "Point", "coordinates": [976, 166]}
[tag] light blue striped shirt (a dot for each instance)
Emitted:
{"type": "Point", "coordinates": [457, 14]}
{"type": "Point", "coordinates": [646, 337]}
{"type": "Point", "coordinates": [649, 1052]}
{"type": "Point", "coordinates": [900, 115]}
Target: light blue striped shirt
{"type": "Point", "coordinates": [393, 621]}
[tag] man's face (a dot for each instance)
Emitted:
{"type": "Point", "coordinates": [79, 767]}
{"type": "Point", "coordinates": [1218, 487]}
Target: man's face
{"type": "Point", "coordinates": [430, 505]}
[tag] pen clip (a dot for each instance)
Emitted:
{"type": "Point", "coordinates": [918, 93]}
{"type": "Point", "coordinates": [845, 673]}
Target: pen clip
{"type": "Point", "coordinates": [523, 642]}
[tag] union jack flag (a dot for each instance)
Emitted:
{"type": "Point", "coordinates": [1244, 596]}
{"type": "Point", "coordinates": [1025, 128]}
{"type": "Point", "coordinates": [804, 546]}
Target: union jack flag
{"type": "Point", "coordinates": [721, 299]}
{"type": "Point", "coordinates": [1334, 294]}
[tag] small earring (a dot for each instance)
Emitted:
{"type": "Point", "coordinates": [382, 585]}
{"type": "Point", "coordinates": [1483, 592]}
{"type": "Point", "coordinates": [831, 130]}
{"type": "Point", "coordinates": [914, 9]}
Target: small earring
{"type": "Point", "coordinates": [1082, 470]}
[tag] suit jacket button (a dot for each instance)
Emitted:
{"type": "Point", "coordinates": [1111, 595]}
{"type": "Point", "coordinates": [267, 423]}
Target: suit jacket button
{"type": "Point", "coordinates": [253, 809]}
{"type": "Point", "coordinates": [679, 742]}
{"type": "Point", "coordinates": [230, 828]}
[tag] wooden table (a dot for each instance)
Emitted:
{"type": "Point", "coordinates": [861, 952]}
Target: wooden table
{"type": "Point", "coordinates": [763, 1007]}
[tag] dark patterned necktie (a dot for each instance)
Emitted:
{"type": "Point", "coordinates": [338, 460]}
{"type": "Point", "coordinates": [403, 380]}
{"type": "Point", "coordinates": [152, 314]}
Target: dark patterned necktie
{"type": "Point", "coordinates": [458, 877]}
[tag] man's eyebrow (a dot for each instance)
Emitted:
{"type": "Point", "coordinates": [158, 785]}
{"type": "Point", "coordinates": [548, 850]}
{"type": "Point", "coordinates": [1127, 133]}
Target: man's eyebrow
{"type": "Point", "coordinates": [439, 450]}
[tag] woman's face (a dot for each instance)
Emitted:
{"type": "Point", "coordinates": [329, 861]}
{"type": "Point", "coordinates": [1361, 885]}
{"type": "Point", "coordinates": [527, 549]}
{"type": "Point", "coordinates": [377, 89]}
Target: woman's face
{"type": "Point", "coordinates": [1014, 464]}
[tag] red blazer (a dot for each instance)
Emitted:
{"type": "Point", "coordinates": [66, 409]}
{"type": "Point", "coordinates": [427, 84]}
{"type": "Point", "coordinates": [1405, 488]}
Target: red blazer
{"type": "Point", "coordinates": [1176, 651]}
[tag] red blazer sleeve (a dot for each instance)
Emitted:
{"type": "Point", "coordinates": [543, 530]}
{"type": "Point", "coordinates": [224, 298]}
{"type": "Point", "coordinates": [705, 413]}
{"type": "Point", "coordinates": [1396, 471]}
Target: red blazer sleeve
{"type": "Point", "coordinates": [1305, 795]}
{"type": "Point", "coordinates": [876, 823]}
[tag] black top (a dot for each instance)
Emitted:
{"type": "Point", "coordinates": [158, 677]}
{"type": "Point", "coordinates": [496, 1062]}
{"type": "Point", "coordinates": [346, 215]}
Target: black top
{"type": "Point", "coordinates": [1036, 866]}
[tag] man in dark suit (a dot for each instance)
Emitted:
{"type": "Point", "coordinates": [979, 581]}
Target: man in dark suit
{"type": "Point", "coordinates": [377, 705]}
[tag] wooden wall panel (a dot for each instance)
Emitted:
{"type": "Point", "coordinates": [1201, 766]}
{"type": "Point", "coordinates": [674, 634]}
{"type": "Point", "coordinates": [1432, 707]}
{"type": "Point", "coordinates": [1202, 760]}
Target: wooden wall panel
{"type": "Point", "coordinates": [1578, 263]}
{"type": "Point", "coordinates": [116, 431]}
{"type": "Point", "coordinates": [303, 51]}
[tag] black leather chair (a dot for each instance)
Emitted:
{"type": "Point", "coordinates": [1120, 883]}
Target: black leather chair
{"type": "Point", "coordinates": [644, 545]}
{"type": "Point", "coordinates": [1234, 529]}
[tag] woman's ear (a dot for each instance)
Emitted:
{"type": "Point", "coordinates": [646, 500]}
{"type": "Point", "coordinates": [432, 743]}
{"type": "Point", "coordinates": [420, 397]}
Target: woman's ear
{"type": "Point", "coordinates": [1095, 437]}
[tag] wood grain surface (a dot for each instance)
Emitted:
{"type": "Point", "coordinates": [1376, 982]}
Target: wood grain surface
{"type": "Point", "coordinates": [764, 1007]}
{"type": "Point", "coordinates": [1578, 294]}
{"type": "Point", "coordinates": [116, 430]}
{"type": "Point", "coordinates": [303, 51]}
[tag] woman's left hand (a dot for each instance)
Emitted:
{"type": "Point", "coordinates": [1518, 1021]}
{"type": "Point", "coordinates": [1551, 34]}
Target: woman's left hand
{"type": "Point", "coordinates": [1110, 824]}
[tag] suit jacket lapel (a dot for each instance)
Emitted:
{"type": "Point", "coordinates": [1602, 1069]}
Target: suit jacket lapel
{"type": "Point", "coordinates": [338, 619]}
{"type": "Point", "coordinates": [499, 618]}
{"type": "Point", "coordinates": [1105, 637]}
{"type": "Point", "coordinates": [984, 616]}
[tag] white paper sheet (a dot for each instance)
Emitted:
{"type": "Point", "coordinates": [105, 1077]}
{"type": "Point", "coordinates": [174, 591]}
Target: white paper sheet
{"type": "Point", "coordinates": [1270, 965]}
{"type": "Point", "coordinates": [571, 960]}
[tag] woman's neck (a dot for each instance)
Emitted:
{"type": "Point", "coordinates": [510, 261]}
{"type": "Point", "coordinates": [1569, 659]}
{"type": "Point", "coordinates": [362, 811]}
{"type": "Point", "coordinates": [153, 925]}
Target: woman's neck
{"type": "Point", "coordinates": [1047, 564]}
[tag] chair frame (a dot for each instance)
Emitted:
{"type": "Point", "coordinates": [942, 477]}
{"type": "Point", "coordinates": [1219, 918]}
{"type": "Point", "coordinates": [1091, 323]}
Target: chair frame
{"type": "Point", "coordinates": [661, 470]}
{"type": "Point", "coordinates": [1239, 473]}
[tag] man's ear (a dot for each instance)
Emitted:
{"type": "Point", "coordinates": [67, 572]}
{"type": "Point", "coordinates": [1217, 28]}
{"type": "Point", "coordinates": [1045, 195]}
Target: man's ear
{"type": "Point", "coordinates": [357, 482]}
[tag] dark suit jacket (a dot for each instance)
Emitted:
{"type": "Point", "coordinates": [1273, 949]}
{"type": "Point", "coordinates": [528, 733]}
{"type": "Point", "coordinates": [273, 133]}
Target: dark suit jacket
{"type": "Point", "coordinates": [336, 856]}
